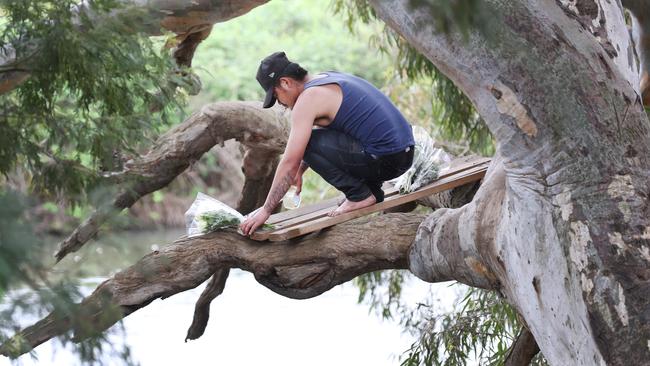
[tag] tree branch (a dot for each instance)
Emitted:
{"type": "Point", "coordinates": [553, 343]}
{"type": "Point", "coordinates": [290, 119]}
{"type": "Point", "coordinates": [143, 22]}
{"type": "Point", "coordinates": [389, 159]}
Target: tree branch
{"type": "Point", "coordinates": [187, 19]}
{"type": "Point", "coordinates": [299, 268]}
{"type": "Point", "coordinates": [184, 51]}
{"type": "Point", "coordinates": [457, 243]}
{"type": "Point", "coordinates": [263, 132]}
{"type": "Point", "coordinates": [523, 349]}
{"type": "Point", "coordinates": [202, 308]}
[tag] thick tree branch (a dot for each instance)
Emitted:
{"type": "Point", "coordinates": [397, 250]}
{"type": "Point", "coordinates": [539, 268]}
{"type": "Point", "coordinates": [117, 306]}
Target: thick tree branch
{"type": "Point", "coordinates": [263, 132]}
{"type": "Point", "coordinates": [299, 268]}
{"type": "Point", "coordinates": [456, 243]}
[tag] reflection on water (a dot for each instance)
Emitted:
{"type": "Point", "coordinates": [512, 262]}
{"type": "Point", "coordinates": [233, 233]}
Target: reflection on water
{"type": "Point", "coordinates": [109, 254]}
{"type": "Point", "coordinates": [249, 324]}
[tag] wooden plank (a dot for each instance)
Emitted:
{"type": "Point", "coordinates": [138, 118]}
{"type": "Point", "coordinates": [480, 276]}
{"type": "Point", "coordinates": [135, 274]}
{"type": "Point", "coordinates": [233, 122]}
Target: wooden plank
{"type": "Point", "coordinates": [322, 209]}
{"type": "Point", "coordinates": [318, 219]}
{"type": "Point", "coordinates": [304, 214]}
{"type": "Point", "coordinates": [303, 210]}
{"type": "Point", "coordinates": [283, 217]}
{"type": "Point", "coordinates": [326, 221]}
{"type": "Point", "coordinates": [456, 166]}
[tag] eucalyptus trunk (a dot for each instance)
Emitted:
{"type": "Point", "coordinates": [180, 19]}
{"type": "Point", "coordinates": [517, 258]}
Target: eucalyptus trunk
{"type": "Point", "coordinates": [561, 225]}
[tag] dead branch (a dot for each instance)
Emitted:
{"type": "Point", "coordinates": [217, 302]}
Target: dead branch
{"type": "Point", "coordinates": [202, 308]}
{"type": "Point", "coordinates": [188, 42]}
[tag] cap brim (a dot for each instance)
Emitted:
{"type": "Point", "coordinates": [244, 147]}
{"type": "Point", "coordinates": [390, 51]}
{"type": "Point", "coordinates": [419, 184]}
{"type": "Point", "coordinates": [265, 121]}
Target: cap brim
{"type": "Point", "coordinates": [269, 100]}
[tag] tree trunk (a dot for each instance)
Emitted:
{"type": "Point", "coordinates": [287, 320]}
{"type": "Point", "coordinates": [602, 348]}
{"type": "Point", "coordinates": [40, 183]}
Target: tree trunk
{"type": "Point", "coordinates": [561, 225]}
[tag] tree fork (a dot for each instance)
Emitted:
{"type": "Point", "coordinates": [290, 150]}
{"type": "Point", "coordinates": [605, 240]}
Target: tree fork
{"type": "Point", "coordinates": [263, 132]}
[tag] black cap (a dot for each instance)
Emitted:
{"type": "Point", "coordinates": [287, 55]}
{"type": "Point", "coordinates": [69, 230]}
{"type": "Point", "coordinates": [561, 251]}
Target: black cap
{"type": "Point", "coordinates": [270, 70]}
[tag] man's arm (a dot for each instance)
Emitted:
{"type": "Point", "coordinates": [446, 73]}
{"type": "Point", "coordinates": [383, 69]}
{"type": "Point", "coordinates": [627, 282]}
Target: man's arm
{"type": "Point", "coordinates": [302, 119]}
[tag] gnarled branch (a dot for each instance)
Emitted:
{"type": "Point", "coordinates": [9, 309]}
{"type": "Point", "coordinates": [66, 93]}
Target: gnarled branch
{"type": "Point", "coordinates": [202, 308]}
{"type": "Point", "coordinates": [299, 268]}
{"type": "Point", "coordinates": [263, 132]}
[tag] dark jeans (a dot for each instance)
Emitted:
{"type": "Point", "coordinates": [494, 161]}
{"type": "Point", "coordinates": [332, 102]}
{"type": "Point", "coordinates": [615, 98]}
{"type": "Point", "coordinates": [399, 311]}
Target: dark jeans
{"type": "Point", "coordinates": [341, 161]}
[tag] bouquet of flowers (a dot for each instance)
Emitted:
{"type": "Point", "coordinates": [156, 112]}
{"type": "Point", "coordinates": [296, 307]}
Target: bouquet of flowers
{"type": "Point", "coordinates": [208, 214]}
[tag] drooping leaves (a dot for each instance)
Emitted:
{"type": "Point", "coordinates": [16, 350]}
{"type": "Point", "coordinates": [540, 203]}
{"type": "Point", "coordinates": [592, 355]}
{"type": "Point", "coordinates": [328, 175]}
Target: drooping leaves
{"type": "Point", "coordinates": [93, 84]}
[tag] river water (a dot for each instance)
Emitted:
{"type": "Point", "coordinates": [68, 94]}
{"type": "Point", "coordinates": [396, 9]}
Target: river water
{"type": "Point", "coordinates": [249, 324]}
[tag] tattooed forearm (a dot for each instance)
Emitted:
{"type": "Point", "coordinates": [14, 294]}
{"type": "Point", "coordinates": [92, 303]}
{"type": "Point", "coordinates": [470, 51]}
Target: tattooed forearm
{"type": "Point", "coordinates": [277, 193]}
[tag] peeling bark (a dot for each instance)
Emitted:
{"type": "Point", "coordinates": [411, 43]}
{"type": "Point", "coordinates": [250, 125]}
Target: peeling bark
{"type": "Point", "coordinates": [560, 224]}
{"type": "Point", "coordinates": [263, 132]}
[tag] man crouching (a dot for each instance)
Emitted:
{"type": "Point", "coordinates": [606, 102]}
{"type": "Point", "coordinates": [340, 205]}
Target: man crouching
{"type": "Point", "coordinates": [342, 127]}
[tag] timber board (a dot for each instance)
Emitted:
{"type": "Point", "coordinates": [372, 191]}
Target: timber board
{"type": "Point", "coordinates": [312, 218]}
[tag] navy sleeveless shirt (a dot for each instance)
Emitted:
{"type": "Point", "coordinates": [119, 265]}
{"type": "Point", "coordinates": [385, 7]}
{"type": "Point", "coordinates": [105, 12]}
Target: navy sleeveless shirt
{"type": "Point", "coordinates": [367, 115]}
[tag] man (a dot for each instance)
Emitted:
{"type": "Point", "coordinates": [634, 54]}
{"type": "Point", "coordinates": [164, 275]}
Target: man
{"type": "Point", "coordinates": [363, 140]}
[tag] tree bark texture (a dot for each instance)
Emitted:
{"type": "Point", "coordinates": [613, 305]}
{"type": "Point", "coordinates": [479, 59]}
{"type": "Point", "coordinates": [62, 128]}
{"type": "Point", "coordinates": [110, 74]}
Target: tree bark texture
{"type": "Point", "coordinates": [561, 224]}
{"type": "Point", "coordinates": [191, 21]}
{"type": "Point", "coordinates": [263, 132]}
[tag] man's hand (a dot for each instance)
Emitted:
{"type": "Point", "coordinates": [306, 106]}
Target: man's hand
{"type": "Point", "coordinates": [297, 181]}
{"type": "Point", "coordinates": [252, 222]}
